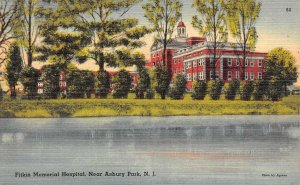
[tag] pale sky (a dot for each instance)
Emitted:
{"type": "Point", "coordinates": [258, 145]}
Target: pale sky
{"type": "Point", "coordinates": [276, 27]}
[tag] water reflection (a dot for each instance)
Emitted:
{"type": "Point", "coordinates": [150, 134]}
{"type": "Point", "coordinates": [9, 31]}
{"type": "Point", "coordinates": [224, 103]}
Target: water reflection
{"type": "Point", "coordinates": [181, 150]}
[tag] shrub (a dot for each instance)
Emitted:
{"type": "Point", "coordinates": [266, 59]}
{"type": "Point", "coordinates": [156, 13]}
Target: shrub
{"type": "Point", "coordinates": [275, 90]}
{"type": "Point", "coordinates": [246, 90]}
{"type": "Point", "coordinates": [199, 90]}
{"type": "Point", "coordinates": [121, 84]}
{"type": "Point", "coordinates": [162, 78]}
{"type": "Point", "coordinates": [215, 89]}
{"type": "Point", "coordinates": [88, 81]}
{"type": "Point", "coordinates": [75, 84]}
{"type": "Point", "coordinates": [80, 83]}
{"type": "Point", "coordinates": [143, 84]}
{"type": "Point", "coordinates": [260, 89]}
{"type": "Point", "coordinates": [29, 78]}
{"type": "Point", "coordinates": [150, 93]}
{"type": "Point", "coordinates": [178, 90]}
{"type": "Point", "coordinates": [103, 84]}
{"type": "Point", "coordinates": [231, 89]}
{"type": "Point", "coordinates": [50, 75]}
{"type": "Point", "coordinates": [13, 68]}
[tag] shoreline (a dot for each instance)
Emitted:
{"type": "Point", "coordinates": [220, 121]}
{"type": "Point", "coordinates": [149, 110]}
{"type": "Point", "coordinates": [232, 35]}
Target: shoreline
{"type": "Point", "coordinates": [90, 108]}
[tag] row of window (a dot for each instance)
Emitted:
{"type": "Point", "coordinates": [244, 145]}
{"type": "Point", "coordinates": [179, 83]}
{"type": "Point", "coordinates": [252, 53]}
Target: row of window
{"type": "Point", "coordinates": [201, 62]}
{"type": "Point", "coordinates": [201, 75]}
{"type": "Point", "coordinates": [61, 84]}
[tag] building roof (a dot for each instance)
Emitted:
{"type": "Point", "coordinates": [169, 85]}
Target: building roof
{"type": "Point", "coordinates": [181, 24]}
{"type": "Point", "coordinates": [174, 43]}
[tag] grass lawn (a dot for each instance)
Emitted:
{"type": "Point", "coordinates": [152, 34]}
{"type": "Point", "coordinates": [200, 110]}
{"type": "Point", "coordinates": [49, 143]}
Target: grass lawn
{"type": "Point", "coordinates": [134, 107]}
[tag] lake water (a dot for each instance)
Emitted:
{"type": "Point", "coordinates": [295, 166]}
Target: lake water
{"type": "Point", "coordinates": [220, 150]}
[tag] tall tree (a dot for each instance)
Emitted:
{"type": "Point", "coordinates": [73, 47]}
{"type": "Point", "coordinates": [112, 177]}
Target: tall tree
{"type": "Point", "coordinates": [163, 15]}
{"type": "Point", "coordinates": [281, 66]}
{"type": "Point", "coordinates": [13, 67]}
{"type": "Point", "coordinates": [113, 36]}
{"type": "Point", "coordinates": [242, 17]}
{"type": "Point", "coordinates": [61, 40]}
{"type": "Point", "coordinates": [213, 25]}
{"type": "Point", "coordinates": [8, 15]}
{"type": "Point", "coordinates": [28, 27]}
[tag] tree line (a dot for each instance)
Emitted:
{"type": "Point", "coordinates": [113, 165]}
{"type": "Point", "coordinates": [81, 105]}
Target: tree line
{"type": "Point", "coordinates": [63, 31]}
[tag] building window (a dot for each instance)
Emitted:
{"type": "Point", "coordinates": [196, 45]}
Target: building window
{"type": "Point", "coordinates": [237, 62]}
{"type": "Point", "coordinates": [260, 63]}
{"type": "Point", "coordinates": [201, 75]}
{"type": "Point", "coordinates": [211, 75]}
{"type": "Point", "coordinates": [237, 75]}
{"type": "Point", "coordinates": [251, 76]}
{"type": "Point", "coordinates": [247, 61]}
{"type": "Point", "coordinates": [40, 91]}
{"type": "Point", "coordinates": [252, 63]}
{"type": "Point", "coordinates": [211, 61]}
{"type": "Point", "coordinates": [199, 62]}
{"type": "Point", "coordinates": [195, 63]}
{"type": "Point", "coordinates": [188, 77]}
{"type": "Point", "coordinates": [229, 61]}
{"type": "Point", "coordinates": [246, 75]}
{"type": "Point", "coordinates": [229, 75]}
{"type": "Point", "coordinates": [174, 61]}
{"type": "Point", "coordinates": [194, 76]}
{"type": "Point", "coordinates": [259, 75]}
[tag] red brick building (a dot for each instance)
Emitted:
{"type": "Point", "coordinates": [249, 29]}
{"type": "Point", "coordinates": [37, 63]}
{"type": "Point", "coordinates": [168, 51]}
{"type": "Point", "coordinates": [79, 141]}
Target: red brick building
{"type": "Point", "coordinates": [193, 57]}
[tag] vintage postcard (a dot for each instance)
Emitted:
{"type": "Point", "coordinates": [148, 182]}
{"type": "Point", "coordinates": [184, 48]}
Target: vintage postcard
{"type": "Point", "coordinates": [130, 92]}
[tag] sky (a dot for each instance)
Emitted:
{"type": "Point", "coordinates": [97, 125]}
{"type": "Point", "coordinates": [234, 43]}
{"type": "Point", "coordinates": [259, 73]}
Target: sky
{"type": "Point", "coordinates": [276, 27]}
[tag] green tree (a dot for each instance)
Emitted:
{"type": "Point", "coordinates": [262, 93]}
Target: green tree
{"type": "Point", "coordinates": [260, 89]}
{"type": "Point", "coordinates": [8, 15]}
{"type": "Point", "coordinates": [121, 84]}
{"type": "Point", "coordinates": [215, 89]}
{"type": "Point", "coordinates": [50, 76]}
{"type": "Point", "coordinates": [75, 84]}
{"type": "Point", "coordinates": [13, 67]}
{"type": "Point", "coordinates": [162, 81]}
{"type": "Point", "coordinates": [80, 83]}
{"type": "Point", "coordinates": [62, 41]}
{"type": "Point", "coordinates": [29, 78]}
{"type": "Point", "coordinates": [179, 88]}
{"type": "Point", "coordinates": [27, 27]}
{"type": "Point", "coordinates": [231, 89]}
{"type": "Point", "coordinates": [103, 86]}
{"type": "Point", "coordinates": [213, 25]}
{"type": "Point", "coordinates": [199, 90]}
{"type": "Point", "coordinates": [281, 66]}
{"type": "Point", "coordinates": [275, 90]}
{"type": "Point", "coordinates": [89, 82]}
{"type": "Point", "coordinates": [144, 83]}
{"type": "Point", "coordinates": [246, 90]}
{"type": "Point", "coordinates": [113, 38]}
{"type": "Point", "coordinates": [242, 16]}
{"type": "Point", "coordinates": [163, 15]}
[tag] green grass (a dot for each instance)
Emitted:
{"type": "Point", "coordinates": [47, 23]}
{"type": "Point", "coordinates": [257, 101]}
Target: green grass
{"type": "Point", "coordinates": [134, 107]}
